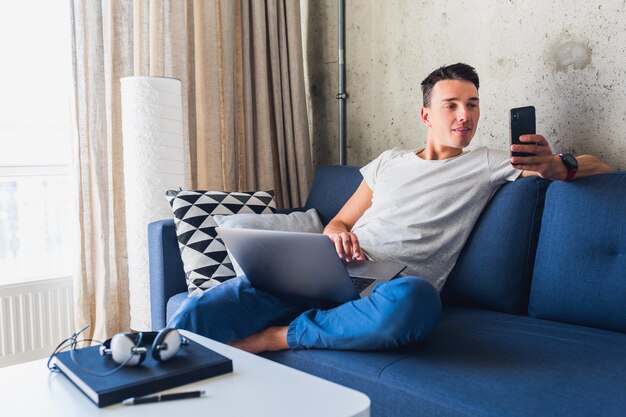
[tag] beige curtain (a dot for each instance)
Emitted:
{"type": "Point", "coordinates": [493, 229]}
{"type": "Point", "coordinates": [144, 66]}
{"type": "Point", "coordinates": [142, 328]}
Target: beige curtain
{"type": "Point", "coordinates": [250, 128]}
{"type": "Point", "coordinates": [243, 90]}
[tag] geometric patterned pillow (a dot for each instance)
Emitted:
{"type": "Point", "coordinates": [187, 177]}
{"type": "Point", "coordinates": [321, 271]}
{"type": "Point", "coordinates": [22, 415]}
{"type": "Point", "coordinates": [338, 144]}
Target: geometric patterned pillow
{"type": "Point", "coordinates": [204, 255]}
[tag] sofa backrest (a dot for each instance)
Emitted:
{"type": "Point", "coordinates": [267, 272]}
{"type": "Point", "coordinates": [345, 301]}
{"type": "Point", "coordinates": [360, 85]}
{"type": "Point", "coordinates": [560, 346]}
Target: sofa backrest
{"type": "Point", "coordinates": [495, 267]}
{"type": "Point", "coordinates": [580, 269]}
{"type": "Point", "coordinates": [332, 186]}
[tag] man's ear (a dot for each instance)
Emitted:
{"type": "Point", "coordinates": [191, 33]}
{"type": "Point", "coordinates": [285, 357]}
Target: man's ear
{"type": "Point", "coordinates": [425, 115]}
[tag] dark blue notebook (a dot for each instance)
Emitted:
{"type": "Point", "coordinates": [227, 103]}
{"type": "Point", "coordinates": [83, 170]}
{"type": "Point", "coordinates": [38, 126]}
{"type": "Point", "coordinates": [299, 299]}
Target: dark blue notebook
{"type": "Point", "coordinates": [192, 363]}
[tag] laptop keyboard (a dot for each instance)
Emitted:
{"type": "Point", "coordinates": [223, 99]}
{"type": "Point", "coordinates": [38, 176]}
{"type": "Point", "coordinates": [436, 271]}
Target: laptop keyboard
{"type": "Point", "coordinates": [361, 283]}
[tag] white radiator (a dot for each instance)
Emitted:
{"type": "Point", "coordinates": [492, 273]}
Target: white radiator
{"type": "Point", "coordinates": [34, 317]}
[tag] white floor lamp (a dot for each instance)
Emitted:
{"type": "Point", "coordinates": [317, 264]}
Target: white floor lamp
{"type": "Point", "coordinates": [152, 127]}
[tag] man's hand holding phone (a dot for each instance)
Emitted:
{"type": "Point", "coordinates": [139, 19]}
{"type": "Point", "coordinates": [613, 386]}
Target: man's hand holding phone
{"type": "Point", "coordinates": [531, 152]}
{"type": "Point", "coordinates": [542, 161]}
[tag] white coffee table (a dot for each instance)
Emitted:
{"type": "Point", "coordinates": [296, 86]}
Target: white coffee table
{"type": "Point", "coordinates": [257, 387]}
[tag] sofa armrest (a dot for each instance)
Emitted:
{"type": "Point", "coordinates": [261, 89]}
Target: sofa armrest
{"type": "Point", "coordinates": [167, 276]}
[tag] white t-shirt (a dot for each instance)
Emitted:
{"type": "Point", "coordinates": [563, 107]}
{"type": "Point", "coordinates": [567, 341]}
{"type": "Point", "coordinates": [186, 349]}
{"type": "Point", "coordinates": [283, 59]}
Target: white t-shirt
{"type": "Point", "coordinates": [423, 211]}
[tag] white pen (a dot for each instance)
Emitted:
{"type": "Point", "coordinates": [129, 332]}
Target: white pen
{"type": "Point", "coordinates": [163, 397]}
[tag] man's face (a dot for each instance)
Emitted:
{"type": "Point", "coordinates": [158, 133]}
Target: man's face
{"type": "Point", "coordinates": [452, 117]}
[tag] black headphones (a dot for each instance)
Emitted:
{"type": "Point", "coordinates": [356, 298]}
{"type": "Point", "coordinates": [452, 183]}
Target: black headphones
{"type": "Point", "coordinates": [130, 349]}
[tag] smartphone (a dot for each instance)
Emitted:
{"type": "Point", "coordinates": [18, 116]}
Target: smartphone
{"type": "Point", "coordinates": [522, 123]}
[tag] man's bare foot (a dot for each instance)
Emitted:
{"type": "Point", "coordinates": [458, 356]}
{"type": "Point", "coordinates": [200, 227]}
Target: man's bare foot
{"type": "Point", "coordinates": [268, 340]}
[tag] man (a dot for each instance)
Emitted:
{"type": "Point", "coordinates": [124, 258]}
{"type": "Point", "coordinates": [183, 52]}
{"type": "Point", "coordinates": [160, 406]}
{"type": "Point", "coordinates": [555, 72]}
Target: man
{"type": "Point", "coordinates": [415, 207]}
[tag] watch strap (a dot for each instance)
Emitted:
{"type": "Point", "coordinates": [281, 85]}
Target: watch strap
{"type": "Point", "coordinates": [571, 169]}
{"type": "Point", "coordinates": [570, 174]}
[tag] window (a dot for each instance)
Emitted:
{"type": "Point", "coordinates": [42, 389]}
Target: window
{"type": "Point", "coordinates": [37, 215]}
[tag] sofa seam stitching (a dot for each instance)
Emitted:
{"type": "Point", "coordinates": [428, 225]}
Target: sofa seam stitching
{"type": "Point", "coordinates": [378, 381]}
{"type": "Point", "coordinates": [528, 273]}
{"type": "Point", "coordinates": [449, 340]}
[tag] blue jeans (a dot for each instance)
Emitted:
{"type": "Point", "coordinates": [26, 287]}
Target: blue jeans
{"type": "Point", "coordinates": [397, 313]}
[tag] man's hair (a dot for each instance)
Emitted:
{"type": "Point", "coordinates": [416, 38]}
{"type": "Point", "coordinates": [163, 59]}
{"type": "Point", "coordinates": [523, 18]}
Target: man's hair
{"type": "Point", "coordinates": [458, 71]}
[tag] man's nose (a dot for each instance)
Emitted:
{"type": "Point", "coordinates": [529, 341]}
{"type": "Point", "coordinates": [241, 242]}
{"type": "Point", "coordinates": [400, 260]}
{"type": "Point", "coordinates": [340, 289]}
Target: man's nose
{"type": "Point", "coordinates": [462, 114]}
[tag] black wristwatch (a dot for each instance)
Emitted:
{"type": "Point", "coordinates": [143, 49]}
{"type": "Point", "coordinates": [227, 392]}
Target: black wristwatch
{"type": "Point", "coordinates": [571, 164]}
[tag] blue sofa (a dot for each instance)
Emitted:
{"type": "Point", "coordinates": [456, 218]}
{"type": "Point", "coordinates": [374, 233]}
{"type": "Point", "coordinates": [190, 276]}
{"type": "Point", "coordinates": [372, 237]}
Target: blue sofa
{"type": "Point", "coordinates": [534, 317]}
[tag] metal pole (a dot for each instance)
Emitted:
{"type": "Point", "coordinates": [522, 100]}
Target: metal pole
{"type": "Point", "coordinates": [341, 96]}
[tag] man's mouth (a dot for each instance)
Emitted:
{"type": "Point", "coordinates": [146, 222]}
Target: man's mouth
{"type": "Point", "coordinates": [462, 129]}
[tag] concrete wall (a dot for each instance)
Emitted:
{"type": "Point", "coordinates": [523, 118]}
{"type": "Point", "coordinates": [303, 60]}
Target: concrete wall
{"type": "Point", "coordinates": [567, 58]}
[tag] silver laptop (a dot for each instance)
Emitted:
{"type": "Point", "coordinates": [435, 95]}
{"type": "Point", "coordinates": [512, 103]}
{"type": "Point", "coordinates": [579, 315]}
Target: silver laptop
{"type": "Point", "coordinates": [303, 266]}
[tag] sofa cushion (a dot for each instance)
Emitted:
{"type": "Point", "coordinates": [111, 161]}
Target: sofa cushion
{"type": "Point", "coordinates": [332, 186]}
{"type": "Point", "coordinates": [484, 363]}
{"type": "Point", "coordinates": [362, 370]}
{"type": "Point", "coordinates": [495, 266]}
{"type": "Point", "coordinates": [580, 268]}
{"type": "Point", "coordinates": [357, 370]}
{"type": "Point", "coordinates": [516, 367]}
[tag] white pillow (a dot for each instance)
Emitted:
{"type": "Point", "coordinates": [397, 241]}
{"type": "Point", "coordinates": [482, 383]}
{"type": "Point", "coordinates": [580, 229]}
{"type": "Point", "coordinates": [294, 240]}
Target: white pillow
{"type": "Point", "coordinates": [296, 221]}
